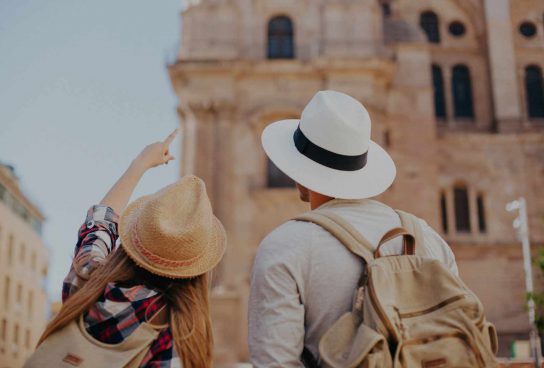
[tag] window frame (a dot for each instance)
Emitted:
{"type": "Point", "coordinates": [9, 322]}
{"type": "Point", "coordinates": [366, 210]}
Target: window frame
{"type": "Point", "coordinates": [463, 103]}
{"type": "Point", "coordinates": [534, 99]}
{"type": "Point", "coordinates": [462, 215]}
{"type": "Point", "coordinates": [285, 38]}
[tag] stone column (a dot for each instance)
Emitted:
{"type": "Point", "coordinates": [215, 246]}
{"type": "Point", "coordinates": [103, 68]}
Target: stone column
{"type": "Point", "coordinates": [187, 122]}
{"type": "Point", "coordinates": [502, 65]}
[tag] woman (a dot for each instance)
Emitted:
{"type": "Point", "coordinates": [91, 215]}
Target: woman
{"type": "Point", "coordinates": [170, 241]}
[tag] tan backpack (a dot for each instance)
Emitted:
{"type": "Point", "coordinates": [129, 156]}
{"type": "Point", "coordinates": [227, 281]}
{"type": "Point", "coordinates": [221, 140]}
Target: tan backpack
{"type": "Point", "coordinates": [72, 346]}
{"type": "Point", "coordinates": [408, 310]}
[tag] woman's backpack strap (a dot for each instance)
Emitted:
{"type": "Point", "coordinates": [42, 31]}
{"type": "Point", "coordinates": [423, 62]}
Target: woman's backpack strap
{"type": "Point", "coordinates": [352, 239]}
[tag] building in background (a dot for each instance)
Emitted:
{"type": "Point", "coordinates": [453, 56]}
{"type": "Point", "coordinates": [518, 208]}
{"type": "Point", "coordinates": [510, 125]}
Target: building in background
{"type": "Point", "coordinates": [454, 89]}
{"type": "Point", "coordinates": [23, 268]}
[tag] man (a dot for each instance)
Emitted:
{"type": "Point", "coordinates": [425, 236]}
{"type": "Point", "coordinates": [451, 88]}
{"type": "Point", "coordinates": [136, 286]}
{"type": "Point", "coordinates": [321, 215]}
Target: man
{"type": "Point", "coordinates": [303, 278]}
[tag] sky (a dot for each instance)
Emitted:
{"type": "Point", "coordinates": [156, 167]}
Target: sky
{"type": "Point", "coordinates": [83, 88]}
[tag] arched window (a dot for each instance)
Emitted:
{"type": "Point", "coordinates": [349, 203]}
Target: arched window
{"type": "Point", "coordinates": [280, 38]}
{"type": "Point", "coordinates": [534, 91]}
{"type": "Point", "coordinates": [462, 92]}
{"type": "Point", "coordinates": [429, 23]}
{"type": "Point", "coordinates": [439, 98]}
{"type": "Point", "coordinates": [462, 210]}
{"type": "Point", "coordinates": [276, 178]}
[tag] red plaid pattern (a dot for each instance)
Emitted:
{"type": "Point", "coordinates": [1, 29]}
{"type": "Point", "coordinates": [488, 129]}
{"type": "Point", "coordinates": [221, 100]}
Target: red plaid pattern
{"type": "Point", "coordinates": [120, 309]}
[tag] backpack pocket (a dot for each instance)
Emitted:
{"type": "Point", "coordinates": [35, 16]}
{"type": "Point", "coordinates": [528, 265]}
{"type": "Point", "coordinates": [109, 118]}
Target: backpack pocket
{"type": "Point", "coordinates": [439, 351]}
{"type": "Point", "coordinates": [349, 343]}
{"type": "Point", "coordinates": [448, 339]}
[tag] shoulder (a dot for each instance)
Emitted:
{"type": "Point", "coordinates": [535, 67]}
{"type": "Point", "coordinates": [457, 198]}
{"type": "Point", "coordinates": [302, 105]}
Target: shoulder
{"type": "Point", "coordinates": [291, 234]}
{"type": "Point", "coordinates": [286, 243]}
{"type": "Point", "coordinates": [437, 247]}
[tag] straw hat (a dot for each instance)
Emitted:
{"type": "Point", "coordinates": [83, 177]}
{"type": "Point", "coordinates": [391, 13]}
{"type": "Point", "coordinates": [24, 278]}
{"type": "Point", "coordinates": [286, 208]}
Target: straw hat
{"type": "Point", "coordinates": [173, 233]}
{"type": "Point", "coordinates": [329, 149]}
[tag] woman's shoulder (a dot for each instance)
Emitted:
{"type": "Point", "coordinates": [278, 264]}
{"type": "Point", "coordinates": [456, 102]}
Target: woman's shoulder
{"type": "Point", "coordinates": [120, 310]}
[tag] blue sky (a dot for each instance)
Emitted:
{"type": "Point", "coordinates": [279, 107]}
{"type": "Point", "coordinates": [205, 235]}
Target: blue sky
{"type": "Point", "coordinates": [83, 87]}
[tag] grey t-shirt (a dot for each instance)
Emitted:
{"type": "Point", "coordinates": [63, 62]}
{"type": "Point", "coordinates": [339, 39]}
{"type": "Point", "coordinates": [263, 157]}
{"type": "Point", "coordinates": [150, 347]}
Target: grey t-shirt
{"type": "Point", "coordinates": [303, 279]}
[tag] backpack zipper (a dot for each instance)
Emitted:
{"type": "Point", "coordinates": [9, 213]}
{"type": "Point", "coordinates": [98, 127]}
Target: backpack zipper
{"type": "Point", "coordinates": [442, 304]}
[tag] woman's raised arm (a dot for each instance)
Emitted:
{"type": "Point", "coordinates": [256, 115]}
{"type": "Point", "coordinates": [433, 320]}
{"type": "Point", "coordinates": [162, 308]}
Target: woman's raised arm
{"type": "Point", "coordinates": [155, 154]}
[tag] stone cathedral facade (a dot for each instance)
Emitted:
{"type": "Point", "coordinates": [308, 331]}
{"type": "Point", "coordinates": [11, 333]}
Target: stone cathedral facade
{"type": "Point", "coordinates": [455, 92]}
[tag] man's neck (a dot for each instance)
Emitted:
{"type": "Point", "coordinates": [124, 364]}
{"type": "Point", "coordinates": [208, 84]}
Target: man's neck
{"type": "Point", "coordinates": [317, 199]}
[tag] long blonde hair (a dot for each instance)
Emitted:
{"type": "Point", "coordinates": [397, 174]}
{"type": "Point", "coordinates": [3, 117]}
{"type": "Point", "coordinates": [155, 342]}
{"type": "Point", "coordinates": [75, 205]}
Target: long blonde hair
{"type": "Point", "coordinates": [187, 300]}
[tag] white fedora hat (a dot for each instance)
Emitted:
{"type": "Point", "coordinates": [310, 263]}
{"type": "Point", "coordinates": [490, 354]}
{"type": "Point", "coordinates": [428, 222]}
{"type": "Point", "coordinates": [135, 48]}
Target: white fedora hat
{"type": "Point", "coordinates": [329, 149]}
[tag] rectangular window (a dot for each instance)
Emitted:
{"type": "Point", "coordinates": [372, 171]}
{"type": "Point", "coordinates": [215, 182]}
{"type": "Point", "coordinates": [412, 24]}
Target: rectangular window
{"type": "Point", "coordinates": [28, 338]}
{"type": "Point", "coordinates": [19, 295]}
{"type": "Point", "coordinates": [33, 261]}
{"type": "Point", "coordinates": [481, 214]}
{"type": "Point", "coordinates": [7, 286]}
{"type": "Point", "coordinates": [387, 139]}
{"type": "Point", "coordinates": [386, 10]}
{"type": "Point", "coordinates": [3, 332]}
{"type": "Point", "coordinates": [22, 254]}
{"type": "Point", "coordinates": [16, 340]}
{"type": "Point", "coordinates": [444, 212]}
{"type": "Point", "coordinates": [10, 249]}
{"type": "Point", "coordinates": [30, 305]}
{"type": "Point", "coordinates": [462, 210]}
{"type": "Point", "coordinates": [3, 329]}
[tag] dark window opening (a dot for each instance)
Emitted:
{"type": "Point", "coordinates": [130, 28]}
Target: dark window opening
{"type": "Point", "coordinates": [387, 139]}
{"type": "Point", "coordinates": [482, 225]}
{"type": "Point", "coordinates": [439, 96]}
{"type": "Point", "coordinates": [462, 92]}
{"type": "Point", "coordinates": [276, 177]}
{"type": "Point", "coordinates": [280, 38]}
{"type": "Point", "coordinates": [429, 23]}
{"type": "Point", "coordinates": [444, 212]}
{"type": "Point", "coordinates": [527, 29]}
{"type": "Point", "coordinates": [386, 10]}
{"type": "Point", "coordinates": [462, 210]}
{"type": "Point", "coordinates": [457, 28]}
{"type": "Point", "coordinates": [534, 91]}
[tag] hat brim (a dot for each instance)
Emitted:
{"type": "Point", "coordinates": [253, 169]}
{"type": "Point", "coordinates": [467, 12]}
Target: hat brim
{"type": "Point", "coordinates": [213, 255]}
{"type": "Point", "coordinates": [370, 181]}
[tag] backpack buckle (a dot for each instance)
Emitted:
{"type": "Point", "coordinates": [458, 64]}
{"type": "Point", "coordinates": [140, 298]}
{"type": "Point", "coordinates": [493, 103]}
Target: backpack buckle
{"type": "Point", "coordinates": [359, 299]}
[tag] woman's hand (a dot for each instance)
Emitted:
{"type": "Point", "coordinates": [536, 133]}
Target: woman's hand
{"type": "Point", "coordinates": [153, 155]}
{"type": "Point", "coordinates": [157, 153]}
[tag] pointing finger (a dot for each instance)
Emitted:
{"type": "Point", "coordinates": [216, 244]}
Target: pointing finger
{"type": "Point", "coordinates": [171, 137]}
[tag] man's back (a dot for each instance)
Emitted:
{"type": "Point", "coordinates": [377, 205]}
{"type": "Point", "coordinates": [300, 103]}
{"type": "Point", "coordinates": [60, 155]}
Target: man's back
{"type": "Point", "coordinates": [304, 279]}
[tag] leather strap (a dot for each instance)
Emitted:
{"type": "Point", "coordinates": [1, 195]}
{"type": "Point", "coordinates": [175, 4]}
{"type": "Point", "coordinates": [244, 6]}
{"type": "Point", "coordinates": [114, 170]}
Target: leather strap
{"type": "Point", "coordinates": [408, 244]}
{"type": "Point", "coordinates": [413, 225]}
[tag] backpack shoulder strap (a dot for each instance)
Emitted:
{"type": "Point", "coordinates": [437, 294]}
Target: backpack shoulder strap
{"type": "Point", "coordinates": [412, 224]}
{"type": "Point", "coordinates": [352, 239]}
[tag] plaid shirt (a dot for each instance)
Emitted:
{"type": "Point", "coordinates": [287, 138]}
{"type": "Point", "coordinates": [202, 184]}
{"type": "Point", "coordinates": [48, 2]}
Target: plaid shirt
{"type": "Point", "coordinates": [120, 310]}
